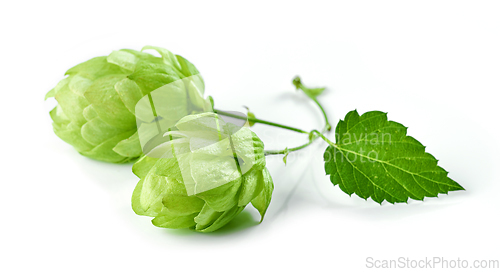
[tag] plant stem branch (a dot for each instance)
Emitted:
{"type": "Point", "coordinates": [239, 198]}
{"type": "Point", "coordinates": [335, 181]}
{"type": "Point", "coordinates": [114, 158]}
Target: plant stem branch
{"type": "Point", "coordinates": [313, 135]}
{"type": "Point", "coordinates": [256, 120]}
{"type": "Point", "coordinates": [327, 127]}
{"type": "Point", "coordinates": [323, 137]}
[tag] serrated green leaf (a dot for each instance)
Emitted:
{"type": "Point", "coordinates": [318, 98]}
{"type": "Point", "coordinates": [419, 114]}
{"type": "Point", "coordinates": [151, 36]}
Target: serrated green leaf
{"type": "Point", "coordinates": [373, 157]}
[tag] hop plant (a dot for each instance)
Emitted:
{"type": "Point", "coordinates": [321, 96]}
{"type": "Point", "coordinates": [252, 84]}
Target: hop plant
{"type": "Point", "coordinates": [199, 167]}
{"type": "Point", "coordinates": [96, 101]}
{"type": "Point", "coordinates": [203, 186]}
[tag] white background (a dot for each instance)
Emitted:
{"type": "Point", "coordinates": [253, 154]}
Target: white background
{"type": "Point", "coordinates": [432, 65]}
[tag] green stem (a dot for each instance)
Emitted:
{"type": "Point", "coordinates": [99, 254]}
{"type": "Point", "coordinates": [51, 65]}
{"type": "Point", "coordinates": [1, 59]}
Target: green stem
{"type": "Point", "coordinates": [312, 135]}
{"type": "Point", "coordinates": [256, 120]}
{"type": "Point", "coordinates": [328, 127]}
{"type": "Point", "coordinates": [323, 137]}
{"type": "Point", "coordinates": [288, 150]}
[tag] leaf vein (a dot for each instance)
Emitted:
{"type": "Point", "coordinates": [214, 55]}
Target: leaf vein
{"type": "Point", "coordinates": [365, 175]}
{"type": "Point", "coordinates": [359, 122]}
{"type": "Point", "coordinates": [390, 164]}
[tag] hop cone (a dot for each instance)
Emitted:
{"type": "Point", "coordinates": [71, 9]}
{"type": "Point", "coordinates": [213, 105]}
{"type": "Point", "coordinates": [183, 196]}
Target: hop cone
{"type": "Point", "coordinates": [164, 193]}
{"type": "Point", "coordinates": [96, 101]}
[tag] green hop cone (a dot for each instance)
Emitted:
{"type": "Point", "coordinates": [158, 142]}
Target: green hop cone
{"type": "Point", "coordinates": [216, 192]}
{"type": "Point", "coordinates": [96, 101]}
